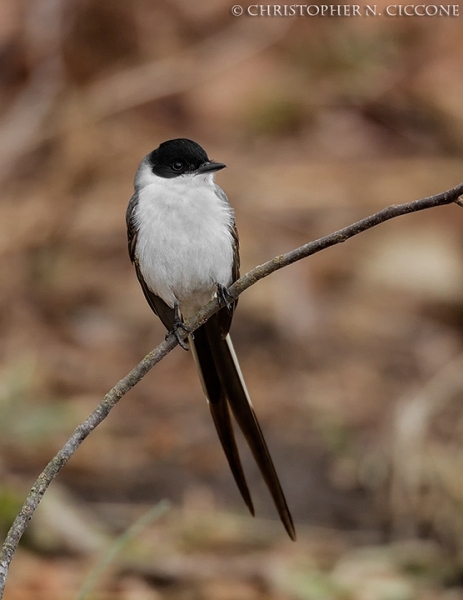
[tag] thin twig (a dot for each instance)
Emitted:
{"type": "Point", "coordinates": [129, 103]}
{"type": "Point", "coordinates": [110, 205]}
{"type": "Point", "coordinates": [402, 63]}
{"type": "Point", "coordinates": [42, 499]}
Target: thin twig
{"type": "Point", "coordinates": [342, 235]}
{"type": "Point", "coordinates": [129, 381]}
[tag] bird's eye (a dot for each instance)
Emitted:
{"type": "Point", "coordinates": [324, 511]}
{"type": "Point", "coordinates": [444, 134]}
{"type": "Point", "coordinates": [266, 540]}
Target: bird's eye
{"type": "Point", "coordinates": [177, 166]}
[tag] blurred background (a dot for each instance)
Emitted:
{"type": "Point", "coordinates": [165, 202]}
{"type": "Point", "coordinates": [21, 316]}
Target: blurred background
{"type": "Point", "coordinates": [353, 358]}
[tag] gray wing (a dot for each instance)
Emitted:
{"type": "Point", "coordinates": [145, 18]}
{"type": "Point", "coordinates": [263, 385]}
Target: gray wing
{"type": "Point", "coordinates": [157, 305]}
{"type": "Point", "coordinates": [226, 314]}
{"type": "Point", "coordinates": [132, 231]}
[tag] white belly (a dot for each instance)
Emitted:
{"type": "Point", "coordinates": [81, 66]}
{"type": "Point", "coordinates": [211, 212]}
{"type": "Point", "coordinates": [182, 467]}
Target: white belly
{"type": "Point", "coordinates": [184, 244]}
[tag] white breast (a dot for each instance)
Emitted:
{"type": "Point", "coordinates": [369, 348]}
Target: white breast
{"type": "Point", "coordinates": [184, 244]}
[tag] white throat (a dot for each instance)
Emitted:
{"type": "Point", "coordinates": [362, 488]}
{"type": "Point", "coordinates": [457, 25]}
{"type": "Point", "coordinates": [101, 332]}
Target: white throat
{"type": "Point", "coordinates": [184, 244]}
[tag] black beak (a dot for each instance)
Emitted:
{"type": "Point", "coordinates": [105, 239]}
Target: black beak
{"type": "Point", "coordinates": [210, 166]}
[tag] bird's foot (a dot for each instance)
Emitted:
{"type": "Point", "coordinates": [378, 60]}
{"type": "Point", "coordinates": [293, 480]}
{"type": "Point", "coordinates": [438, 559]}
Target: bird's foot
{"type": "Point", "coordinates": [225, 298]}
{"type": "Point", "coordinates": [178, 326]}
{"type": "Point", "coordinates": [176, 331]}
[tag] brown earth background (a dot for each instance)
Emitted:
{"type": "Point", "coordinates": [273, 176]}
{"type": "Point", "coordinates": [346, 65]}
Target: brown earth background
{"type": "Point", "coordinates": [353, 358]}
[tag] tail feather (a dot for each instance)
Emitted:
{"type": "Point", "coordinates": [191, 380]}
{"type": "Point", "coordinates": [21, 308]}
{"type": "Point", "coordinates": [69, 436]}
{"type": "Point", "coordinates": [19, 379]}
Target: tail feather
{"type": "Point", "coordinates": [222, 379]}
{"type": "Point", "coordinates": [219, 410]}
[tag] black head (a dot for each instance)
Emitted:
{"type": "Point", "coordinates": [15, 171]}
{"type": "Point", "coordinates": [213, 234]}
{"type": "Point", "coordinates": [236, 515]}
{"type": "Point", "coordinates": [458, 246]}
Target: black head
{"type": "Point", "coordinates": [180, 157]}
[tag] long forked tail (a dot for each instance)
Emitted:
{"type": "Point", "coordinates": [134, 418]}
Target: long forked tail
{"type": "Point", "coordinates": [224, 387]}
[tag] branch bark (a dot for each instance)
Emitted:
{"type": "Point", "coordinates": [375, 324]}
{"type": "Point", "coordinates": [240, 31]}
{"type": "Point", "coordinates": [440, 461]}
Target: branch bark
{"type": "Point", "coordinates": [129, 381]}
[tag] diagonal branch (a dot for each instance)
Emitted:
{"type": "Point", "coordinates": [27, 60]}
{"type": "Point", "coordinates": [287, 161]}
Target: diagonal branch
{"type": "Point", "coordinates": [129, 381]}
{"type": "Point", "coordinates": [342, 235]}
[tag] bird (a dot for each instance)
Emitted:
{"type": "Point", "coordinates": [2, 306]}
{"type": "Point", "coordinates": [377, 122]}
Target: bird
{"type": "Point", "coordinates": [183, 242]}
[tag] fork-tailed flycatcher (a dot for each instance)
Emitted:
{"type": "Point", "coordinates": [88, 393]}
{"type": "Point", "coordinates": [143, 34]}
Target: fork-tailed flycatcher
{"type": "Point", "coordinates": [184, 245]}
